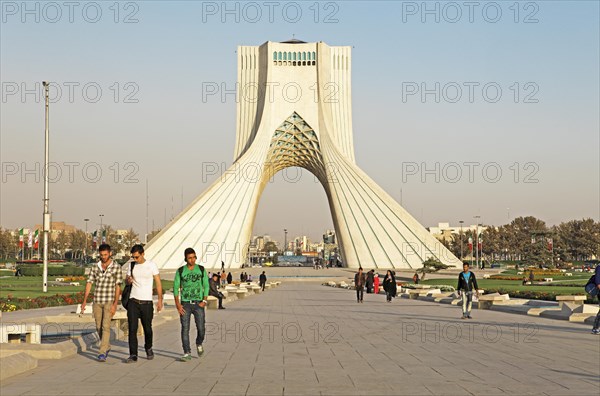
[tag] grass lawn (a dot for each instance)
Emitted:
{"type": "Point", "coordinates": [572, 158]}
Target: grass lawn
{"type": "Point", "coordinates": [31, 287]}
{"type": "Point", "coordinates": [488, 284]}
{"type": "Point", "coordinates": [576, 275]}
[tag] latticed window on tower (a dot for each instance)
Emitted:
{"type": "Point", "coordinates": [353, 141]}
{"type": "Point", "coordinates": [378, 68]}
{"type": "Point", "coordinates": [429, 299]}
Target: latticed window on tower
{"type": "Point", "coordinates": [294, 58]}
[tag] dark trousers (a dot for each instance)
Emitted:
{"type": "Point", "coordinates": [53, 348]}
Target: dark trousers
{"type": "Point", "coordinates": [220, 300]}
{"type": "Point", "coordinates": [597, 321]}
{"type": "Point", "coordinates": [359, 293]}
{"type": "Point", "coordinates": [369, 289]}
{"type": "Point", "coordinates": [135, 312]}
{"type": "Point", "coordinates": [262, 284]}
{"type": "Point", "coordinates": [388, 295]}
{"type": "Point", "coordinates": [198, 312]}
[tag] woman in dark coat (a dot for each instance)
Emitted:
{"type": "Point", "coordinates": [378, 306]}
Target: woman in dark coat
{"type": "Point", "coordinates": [389, 285]}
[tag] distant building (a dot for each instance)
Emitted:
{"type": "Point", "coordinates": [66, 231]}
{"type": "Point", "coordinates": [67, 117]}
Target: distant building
{"type": "Point", "coordinates": [329, 237]}
{"type": "Point", "coordinates": [445, 232]}
{"type": "Point", "coordinates": [56, 227]}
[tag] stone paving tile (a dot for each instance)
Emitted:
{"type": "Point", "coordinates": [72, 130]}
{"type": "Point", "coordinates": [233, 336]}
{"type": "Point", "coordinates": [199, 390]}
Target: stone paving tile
{"type": "Point", "coordinates": [322, 342]}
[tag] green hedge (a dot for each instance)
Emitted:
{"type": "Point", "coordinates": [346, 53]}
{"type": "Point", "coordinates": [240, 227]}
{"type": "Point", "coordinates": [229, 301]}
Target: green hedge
{"type": "Point", "coordinates": [67, 270]}
{"type": "Point", "coordinates": [538, 295]}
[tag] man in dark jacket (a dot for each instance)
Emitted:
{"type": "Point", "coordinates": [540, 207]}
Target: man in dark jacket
{"type": "Point", "coordinates": [212, 291]}
{"type": "Point", "coordinates": [466, 284]}
{"type": "Point", "coordinates": [229, 278]}
{"type": "Point", "coordinates": [370, 280]}
{"type": "Point", "coordinates": [359, 283]}
{"type": "Point", "coordinates": [262, 281]}
{"type": "Point", "coordinates": [596, 281]}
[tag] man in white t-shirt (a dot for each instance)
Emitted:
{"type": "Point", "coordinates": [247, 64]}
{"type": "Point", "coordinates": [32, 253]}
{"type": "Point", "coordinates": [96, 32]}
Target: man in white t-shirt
{"type": "Point", "coordinates": [140, 306]}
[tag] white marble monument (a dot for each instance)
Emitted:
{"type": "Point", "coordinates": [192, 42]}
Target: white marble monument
{"type": "Point", "coordinates": [295, 110]}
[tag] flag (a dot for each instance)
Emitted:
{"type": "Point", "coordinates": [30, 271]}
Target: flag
{"type": "Point", "coordinates": [30, 239]}
{"type": "Point", "coordinates": [36, 239]}
{"type": "Point", "coordinates": [94, 239]}
{"type": "Point", "coordinates": [550, 244]}
{"type": "Point", "coordinates": [470, 244]}
{"type": "Point", "coordinates": [103, 236]}
{"type": "Point", "coordinates": [21, 238]}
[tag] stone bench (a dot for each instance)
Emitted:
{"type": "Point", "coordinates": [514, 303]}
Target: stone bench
{"type": "Point", "coordinates": [11, 332]}
{"type": "Point", "coordinates": [73, 283]}
{"type": "Point", "coordinates": [548, 279]}
{"type": "Point", "coordinates": [257, 289]}
{"type": "Point", "coordinates": [269, 285]}
{"type": "Point", "coordinates": [487, 300]}
{"type": "Point", "coordinates": [569, 274]}
{"type": "Point", "coordinates": [241, 293]}
{"type": "Point", "coordinates": [422, 286]}
{"type": "Point", "coordinates": [413, 294]}
{"type": "Point", "coordinates": [120, 321]}
{"type": "Point", "coordinates": [578, 300]}
{"type": "Point", "coordinates": [59, 279]}
{"type": "Point", "coordinates": [212, 302]}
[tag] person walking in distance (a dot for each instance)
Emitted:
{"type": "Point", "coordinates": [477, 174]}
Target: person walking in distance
{"type": "Point", "coordinates": [376, 283]}
{"type": "Point", "coordinates": [595, 280]}
{"type": "Point", "coordinates": [389, 285]}
{"type": "Point", "coordinates": [262, 281]}
{"type": "Point", "coordinates": [141, 305]}
{"type": "Point", "coordinates": [359, 283]}
{"type": "Point", "coordinates": [370, 280]}
{"type": "Point", "coordinates": [108, 276]}
{"type": "Point", "coordinates": [466, 284]}
{"type": "Point", "coordinates": [191, 284]}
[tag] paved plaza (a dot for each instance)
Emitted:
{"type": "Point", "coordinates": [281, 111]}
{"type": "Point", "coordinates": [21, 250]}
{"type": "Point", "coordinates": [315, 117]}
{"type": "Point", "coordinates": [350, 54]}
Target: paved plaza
{"type": "Point", "coordinates": [306, 339]}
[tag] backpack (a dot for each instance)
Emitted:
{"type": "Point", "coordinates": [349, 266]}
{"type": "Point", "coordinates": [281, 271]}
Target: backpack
{"type": "Point", "coordinates": [591, 288]}
{"type": "Point", "coordinates": [126, 292]}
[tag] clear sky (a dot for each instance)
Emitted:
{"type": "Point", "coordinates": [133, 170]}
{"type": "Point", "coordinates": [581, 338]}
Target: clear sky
{"type": "Point", "coordinates": [131, 106]}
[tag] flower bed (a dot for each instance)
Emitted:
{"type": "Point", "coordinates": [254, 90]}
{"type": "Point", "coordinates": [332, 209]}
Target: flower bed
{"type": "Point", "coordinates": [57, 300]}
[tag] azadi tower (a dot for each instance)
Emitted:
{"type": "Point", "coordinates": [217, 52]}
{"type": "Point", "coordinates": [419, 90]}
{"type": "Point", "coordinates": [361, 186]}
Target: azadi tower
{"type": "Point", "coordinates": [295, 110]}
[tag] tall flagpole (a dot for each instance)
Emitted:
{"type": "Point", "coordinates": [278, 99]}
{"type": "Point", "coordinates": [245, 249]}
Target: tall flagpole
{"type": "Point", "coordinates": [46, 186]}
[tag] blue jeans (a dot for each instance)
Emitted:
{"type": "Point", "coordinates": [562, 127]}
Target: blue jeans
{"type": "Point", "coordinates": [467, 302]}
{"type": "Point", "coordinates": [198, 313]}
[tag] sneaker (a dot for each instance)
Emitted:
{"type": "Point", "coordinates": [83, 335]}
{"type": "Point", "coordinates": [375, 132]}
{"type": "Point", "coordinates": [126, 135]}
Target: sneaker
{"type": "Point", "coordinates": [469, 317]}
{"type": "Point", "coordinates": [149, 354]}
{"type": "Point", "coordinates": [106, 353]}
{"type": "Point", "coordinates": [131, 359]}
{"type": "Point", "coordinates": [221, 307]}
{"type": "Point", "coordinates": [186, 357]}
{"type": "Point", "coordinates": [200, 350]}
{"type": "Point", "coordinates": [102, 357]}
{"type": "Point", "coordinates": [596, 331]}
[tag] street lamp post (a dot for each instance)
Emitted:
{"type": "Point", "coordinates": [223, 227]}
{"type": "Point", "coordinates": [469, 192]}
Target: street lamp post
{"type": "Point", "coordinates": [101, 231]}
{"type": "Point", "coordinates": [86, 242]}
{"type": "Point", "coordinates": [477, 241]}
{"type": "Point", "coordinates": [285, 241]}
{"type": "Point", "coordinates": [46, 186]}
{"type": "Point", "coordinates": [461, 241]}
